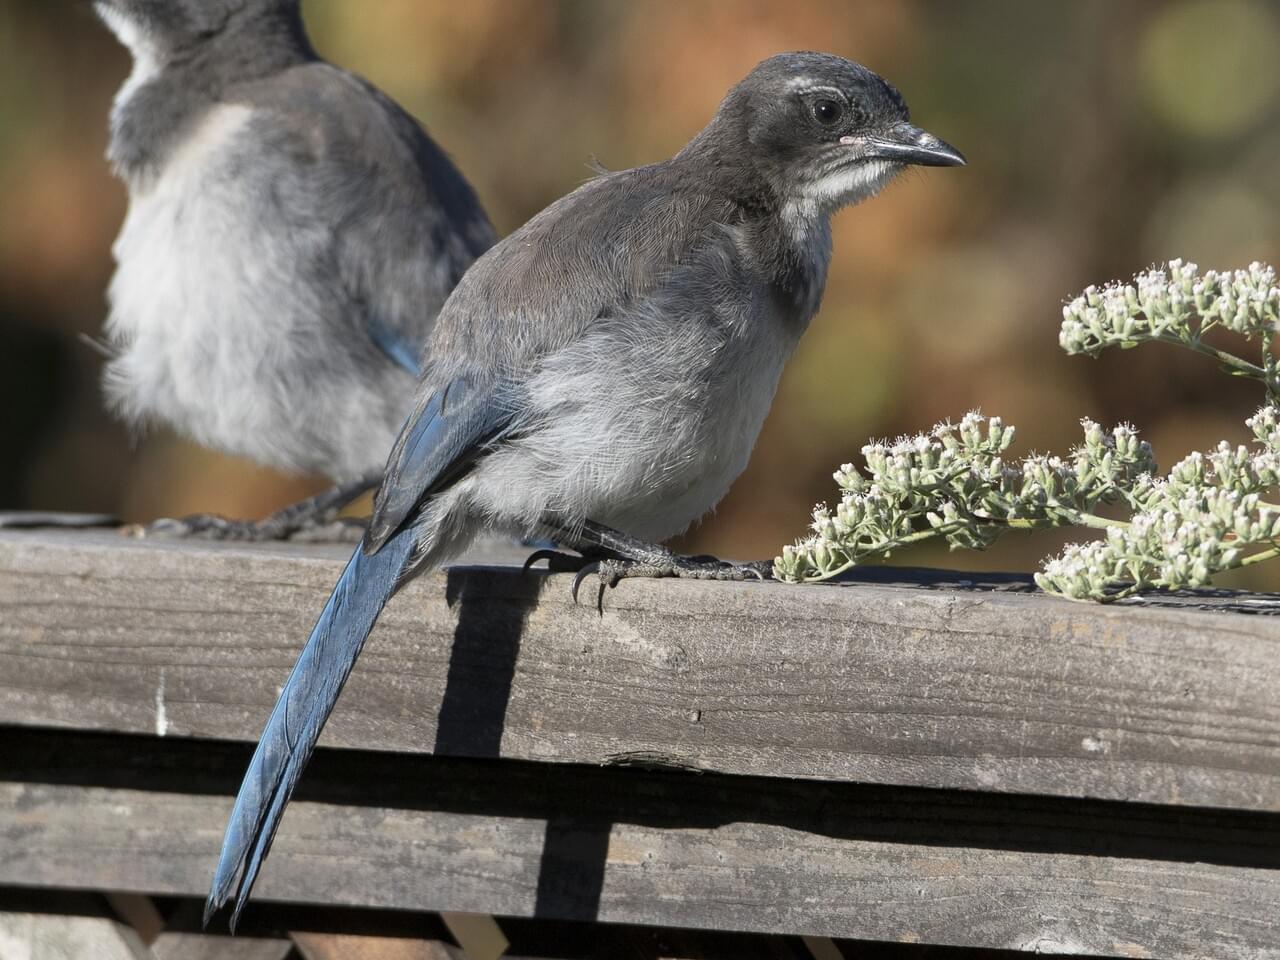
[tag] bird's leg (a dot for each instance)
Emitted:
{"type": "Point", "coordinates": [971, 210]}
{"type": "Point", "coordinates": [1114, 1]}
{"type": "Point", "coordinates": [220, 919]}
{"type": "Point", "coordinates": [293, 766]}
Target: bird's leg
{"type": "Point", "coordinates": [614, 556]}
{"type": "Point", "coordinates": [312, 519]}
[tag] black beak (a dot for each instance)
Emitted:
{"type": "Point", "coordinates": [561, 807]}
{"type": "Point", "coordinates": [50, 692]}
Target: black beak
{"type": "Point", "coordinates": [909, 144]}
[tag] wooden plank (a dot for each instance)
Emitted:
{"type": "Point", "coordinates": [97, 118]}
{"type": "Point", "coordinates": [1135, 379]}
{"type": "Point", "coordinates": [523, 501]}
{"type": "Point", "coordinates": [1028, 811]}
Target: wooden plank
{"type": "Point", "coordinates": [138, 912]}
{"type": "Point", "coordinates": [346, 946]}
{"type": "Point", "coordinates": [660, 848]}
{"type": "Point", "coordinates": [48, 936]}
{"type": "Point", "coordinates": [27, 519]}
{"type": "Point", "coordinates": [199, 946]}
{"type": "Point", "coordinates": [958, 688]}
{"type": "Point", "coordinates": [477, 934]}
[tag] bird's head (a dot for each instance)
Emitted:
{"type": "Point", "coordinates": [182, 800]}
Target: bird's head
{"type": "Point", "coordinates": [823, 131]}
{"type": "Point", "coordinates": [156, 31]}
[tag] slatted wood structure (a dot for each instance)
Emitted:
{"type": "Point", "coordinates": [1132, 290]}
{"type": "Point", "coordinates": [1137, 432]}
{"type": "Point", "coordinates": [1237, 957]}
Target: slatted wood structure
{"type": "Point", "coordinates": [906, 758]}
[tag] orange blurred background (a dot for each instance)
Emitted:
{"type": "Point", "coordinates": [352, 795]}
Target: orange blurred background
{"type": "Point", "coordinates": [1101, 137]}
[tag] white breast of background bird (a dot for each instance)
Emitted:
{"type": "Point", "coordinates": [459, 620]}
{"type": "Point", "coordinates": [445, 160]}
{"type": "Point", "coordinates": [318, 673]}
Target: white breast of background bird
{"type": "Point", "coordinates": [179, 258]}
{"type": "Point", "coordinates": [197, 275]}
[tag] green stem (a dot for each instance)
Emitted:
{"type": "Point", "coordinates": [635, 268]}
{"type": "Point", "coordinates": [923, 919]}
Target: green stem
{"type": "Point", "coordinates": [1082, 519]}
{"type": "Point", "coordinates": [1268, 554]}
{"type": "Point", "coordinates": [1226, 359]}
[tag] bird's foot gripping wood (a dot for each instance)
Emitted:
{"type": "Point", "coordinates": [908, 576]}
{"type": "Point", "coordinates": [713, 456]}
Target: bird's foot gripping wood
{"type": "Point", "coordinates": [610, 573]}
{"type": "Point", "coordinates": [211, 526]}
{"type": "Point", "coordinates": [613, 556]}
{"type": "Point", "coordinates": [314, 520]}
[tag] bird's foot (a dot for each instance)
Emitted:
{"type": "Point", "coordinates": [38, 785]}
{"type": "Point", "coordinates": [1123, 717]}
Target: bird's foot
{"type": "Point", "coordinates": [313, 520]}
{"type": "Point", "coordinates": [610, 572]}
{"type": "Point", "coordinates": [209, 526]}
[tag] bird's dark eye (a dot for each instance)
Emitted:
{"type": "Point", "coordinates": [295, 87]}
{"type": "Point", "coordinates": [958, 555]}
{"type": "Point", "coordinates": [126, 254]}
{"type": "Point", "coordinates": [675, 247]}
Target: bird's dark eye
{"type": "Point", "coordinates": [827, 112]}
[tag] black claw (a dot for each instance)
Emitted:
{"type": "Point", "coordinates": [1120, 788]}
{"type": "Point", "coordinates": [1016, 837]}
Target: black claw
{"type": "Point", "coordinates": [606, 580]}
{"type": "Point", "coordinates": [537, 555]}
{"type": "Point", "coordinates": [557, 562]}
{"type": "Point", "coordinates": [586, 571]}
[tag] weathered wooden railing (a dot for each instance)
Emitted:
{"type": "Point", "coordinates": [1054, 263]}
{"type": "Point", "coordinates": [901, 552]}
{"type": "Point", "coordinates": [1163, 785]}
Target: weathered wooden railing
{"type": "Point", "coordinates": [911, 757]}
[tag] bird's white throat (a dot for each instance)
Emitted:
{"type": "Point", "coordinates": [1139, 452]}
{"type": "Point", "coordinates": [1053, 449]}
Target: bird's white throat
{"type": "Point", "coordinates": [819, 199]}
{"type": "Point", "coordinates": [141, 46]}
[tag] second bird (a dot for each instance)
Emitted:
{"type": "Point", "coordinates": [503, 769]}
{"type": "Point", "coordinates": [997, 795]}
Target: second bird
{"type": "Point", "coordinates": [291, 235]}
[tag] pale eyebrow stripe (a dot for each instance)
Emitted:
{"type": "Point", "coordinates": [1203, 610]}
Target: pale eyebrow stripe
{"type": "Point", "coordinates": [805, 85]}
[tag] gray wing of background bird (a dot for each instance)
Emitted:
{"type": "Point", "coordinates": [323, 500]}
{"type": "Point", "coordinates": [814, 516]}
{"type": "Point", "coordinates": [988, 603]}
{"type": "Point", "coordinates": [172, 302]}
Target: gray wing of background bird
{"type": "Point", "coordinates": [375, 211]}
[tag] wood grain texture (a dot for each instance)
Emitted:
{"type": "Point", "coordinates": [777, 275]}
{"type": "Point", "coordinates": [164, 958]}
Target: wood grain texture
{"type": "Point", "coordinates": [955, 688]}
{"type": "Point", "coordinates": [654, 847]}
{"type": "Point", "coordinates": [197, 946]}
{"type": "Point", "coordinates": [346, 946]}
{"type": "Point", "coordinates": [39, 936]}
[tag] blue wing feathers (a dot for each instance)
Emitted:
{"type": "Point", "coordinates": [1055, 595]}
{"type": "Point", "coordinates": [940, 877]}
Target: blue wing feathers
{"type": "Point", "coordinates": [396, 344]}
{"type": "Point", "coordinates": [448, 432]}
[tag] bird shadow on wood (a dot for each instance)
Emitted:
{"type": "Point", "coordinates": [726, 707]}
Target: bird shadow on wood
{"type": "Point", "coordinates": [575, 853]}
{"type": "Point", "coordinates": [493, 606]}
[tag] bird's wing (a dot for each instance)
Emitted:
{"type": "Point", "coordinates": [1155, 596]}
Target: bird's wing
{"type": "Point", "coordinates": [435, 446]}
{"type": "Point", "coordinates": [396, 344]}
{"type": "Point", "coordinates": [441, 439]}
{"type": "Point", "coordinates": [601, 250]}
{"type": "Point", "coordinates": [386, 222]}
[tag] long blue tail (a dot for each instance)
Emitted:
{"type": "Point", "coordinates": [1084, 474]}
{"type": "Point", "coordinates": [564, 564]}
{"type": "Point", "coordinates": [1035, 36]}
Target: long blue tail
{"type": "Point", "coordinates": [308, 696]}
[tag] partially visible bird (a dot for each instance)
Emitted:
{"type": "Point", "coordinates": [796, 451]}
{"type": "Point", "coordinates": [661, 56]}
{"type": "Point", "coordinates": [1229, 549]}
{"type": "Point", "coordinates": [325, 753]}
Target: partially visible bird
{"type": "Point", "coordinates": [291, 236]}
{"type": "Point", "coordinates": [600, 376]}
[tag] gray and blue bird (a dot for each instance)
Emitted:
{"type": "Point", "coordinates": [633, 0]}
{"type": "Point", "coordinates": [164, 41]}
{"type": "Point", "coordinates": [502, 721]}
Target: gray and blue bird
{"type": "Point", "coordinates": [600, 376]}
{"type": "Point", "coordinates": [291, 236]}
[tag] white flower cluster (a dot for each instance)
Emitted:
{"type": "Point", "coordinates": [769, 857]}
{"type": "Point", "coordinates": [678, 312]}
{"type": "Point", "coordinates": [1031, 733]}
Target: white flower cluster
{"type": "Point", "coordinates": [955, 483]}
{"type": "Point", "coordinates": [1162, 303]}
{"type": "Point", "coordinates": [1201, 519]}
{"type": "Point", "coordinates": [1207, 515]}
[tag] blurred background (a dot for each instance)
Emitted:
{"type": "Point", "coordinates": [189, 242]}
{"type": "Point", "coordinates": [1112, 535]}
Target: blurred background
{"type": "Point", "coordinates": [1101, 137]}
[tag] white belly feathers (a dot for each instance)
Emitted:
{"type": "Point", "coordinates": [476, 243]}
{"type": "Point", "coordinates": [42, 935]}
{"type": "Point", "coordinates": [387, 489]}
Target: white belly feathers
{"type": "Point", "coordinates": [208, 323]}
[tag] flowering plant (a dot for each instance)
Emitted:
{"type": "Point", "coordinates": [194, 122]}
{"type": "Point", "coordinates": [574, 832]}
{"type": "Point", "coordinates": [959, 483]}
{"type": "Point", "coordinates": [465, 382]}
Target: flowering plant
{"type": "Point", "coordinates": [1207, 515]}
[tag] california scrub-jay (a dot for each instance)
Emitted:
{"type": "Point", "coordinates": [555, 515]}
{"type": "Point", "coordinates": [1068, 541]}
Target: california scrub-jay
{"type": "Point", "coordinates": [291, 237]}
{"type": "Point", "coordinates": [600, 375]}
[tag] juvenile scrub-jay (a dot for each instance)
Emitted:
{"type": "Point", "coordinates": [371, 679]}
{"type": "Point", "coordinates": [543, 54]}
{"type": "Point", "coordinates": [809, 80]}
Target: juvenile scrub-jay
{"type": "Point", "coordinates": [600, 375]}
{"type": "Point", "coordinates": [291, 237]}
